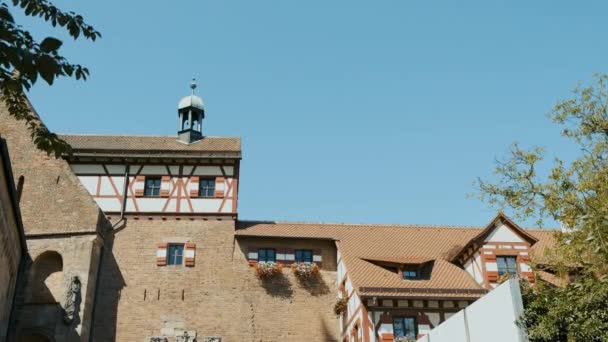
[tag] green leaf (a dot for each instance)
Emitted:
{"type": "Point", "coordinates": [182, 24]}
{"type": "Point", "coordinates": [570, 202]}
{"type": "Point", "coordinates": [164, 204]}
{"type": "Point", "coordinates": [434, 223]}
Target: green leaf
{"type": "Point", "coordinates": [50, 44]}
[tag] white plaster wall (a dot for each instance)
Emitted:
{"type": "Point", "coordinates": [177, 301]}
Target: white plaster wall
{"type": "Point", "coordinates": [491, 318]}
{"type": "Point", "coordinates": [110, 185]}
{"type": "Point", "coordinates": [503, 234]}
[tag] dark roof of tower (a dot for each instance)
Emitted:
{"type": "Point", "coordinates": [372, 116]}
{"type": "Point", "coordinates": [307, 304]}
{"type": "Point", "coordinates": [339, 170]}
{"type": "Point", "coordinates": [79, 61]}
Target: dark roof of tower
{"type": "Point", "coordinates": [152, 146]}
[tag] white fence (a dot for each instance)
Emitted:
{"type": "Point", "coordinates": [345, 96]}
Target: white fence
{"type": "Point", "coordinates": [491, 318]}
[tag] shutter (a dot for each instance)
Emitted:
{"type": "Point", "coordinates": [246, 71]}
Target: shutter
{"type": "Point", "coordinates": [290, 255]}
{"type": "Point", "coordinates": [161, 254]}
{"type": "Point", "coordinates": [189, 253]}
{"type": "Point", "coordinates": [529, 275]}
{"type": "Point", "coordinates": [252, 255]}
{"type": "Point", "coordinates": [524, 258]}
{"type": "Point", "coordinates": [139, 185]}
{"type": "Point", "coordinates": [317, 257]}
{"type": "Point", "coordinates": [489, 257]}
{"type": "Point", "coordinates": [165, 186]}
{"type": "Point", "coordinates": [492, 276]}
{"type": "Point", "coordinates": [219, 187]}
{"type": "Point", "coordinates": [193, 186]}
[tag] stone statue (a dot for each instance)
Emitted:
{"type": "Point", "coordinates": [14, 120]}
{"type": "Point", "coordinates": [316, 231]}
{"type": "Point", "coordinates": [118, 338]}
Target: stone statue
{"type": "Point", "coordinates": [72, 299]}
{"type": "Point", "coordinates": [158, 339]}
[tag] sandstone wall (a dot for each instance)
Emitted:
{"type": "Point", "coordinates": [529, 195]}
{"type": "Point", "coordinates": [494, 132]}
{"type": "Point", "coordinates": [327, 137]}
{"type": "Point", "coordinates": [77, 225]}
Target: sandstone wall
{"type": "Point", "coordinates": [10, 243]}
{"type": "Point", "coordinates": [52, 200]}
{"type": "Point", "coordinates": [58, 216]}
{"type": "Point", "coordinates": [219, 296]}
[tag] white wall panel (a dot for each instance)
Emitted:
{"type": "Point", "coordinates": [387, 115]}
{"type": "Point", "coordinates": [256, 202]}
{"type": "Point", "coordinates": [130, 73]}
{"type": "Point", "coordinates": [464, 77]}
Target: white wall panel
{"type": "Point", "coordinates": [503, 234]}
{"type": "Point", "coordinates": [491, 318]}
{"type": "Point", "coordinates": [106, 187]}
{"type": "Point", "coordinates": [87, 169]}
{"type": "Point", "coordinates": [89, 183]}
{"type": "Point", "coordinates": [109, 204]}
{"type": "Point", "coordinates": [154, 170]}
{"type": "Point", "coordinates": [116, 169]}
{"type": "Point", "coordinates": [208, 171]}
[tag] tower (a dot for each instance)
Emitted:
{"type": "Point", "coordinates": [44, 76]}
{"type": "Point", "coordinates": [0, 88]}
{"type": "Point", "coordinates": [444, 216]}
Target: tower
{"type": "Point", "coordinates": [191, 113]}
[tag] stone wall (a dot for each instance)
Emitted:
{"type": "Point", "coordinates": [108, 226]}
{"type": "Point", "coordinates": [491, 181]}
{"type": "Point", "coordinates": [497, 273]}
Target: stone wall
{"type": "Point", "coordinates": [58, 216]}
{"type": "Point", "coordinates": [52, 200]}
{"type": "Point", "coordinates": [11, 247]}
{"type": "Point", "coordinates": [219, 296]}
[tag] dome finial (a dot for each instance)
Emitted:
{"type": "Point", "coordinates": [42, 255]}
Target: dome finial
{"type": "Point", "coordinates": [193, 85]}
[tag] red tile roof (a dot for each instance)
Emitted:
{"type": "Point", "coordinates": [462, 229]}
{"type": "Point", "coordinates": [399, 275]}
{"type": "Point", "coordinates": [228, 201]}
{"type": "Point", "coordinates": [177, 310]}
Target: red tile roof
{"type": "Point", "coordinates": [360, 245]}
{"type": "Point", "coordinates": [150, 145]}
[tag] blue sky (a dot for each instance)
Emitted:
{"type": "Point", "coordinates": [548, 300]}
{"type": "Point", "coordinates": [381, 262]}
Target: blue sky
{"type": "Point", "coordinates": [350, 111]}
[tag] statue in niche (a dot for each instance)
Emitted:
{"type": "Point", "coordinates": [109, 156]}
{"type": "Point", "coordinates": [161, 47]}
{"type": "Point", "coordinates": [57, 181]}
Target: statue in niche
{"type": "Point", "coordinates": [158, 339]}
{"type": "Point", "coordinates": [185, 337]}
{"type": "Point", "coordinates": [72, 300]}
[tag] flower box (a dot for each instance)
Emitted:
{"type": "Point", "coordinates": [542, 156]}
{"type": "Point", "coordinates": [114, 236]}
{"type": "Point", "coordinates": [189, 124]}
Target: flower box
{"type": "Point", "coordinates": [340, 306]}
{"type": "Point", "coordinates": [267, 269]}
{"type": "Point", "coordinates": [304, 270]}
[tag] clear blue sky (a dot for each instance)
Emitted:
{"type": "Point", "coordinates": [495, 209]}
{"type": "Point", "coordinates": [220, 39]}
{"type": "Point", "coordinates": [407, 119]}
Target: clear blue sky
{"type": "Point", "coordinates": [350, 111]}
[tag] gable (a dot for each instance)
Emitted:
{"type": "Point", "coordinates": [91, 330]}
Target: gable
{"type": "Point", "coordinates": [52, 199]}
{"type": "Point", "coordinates": [503, 234]}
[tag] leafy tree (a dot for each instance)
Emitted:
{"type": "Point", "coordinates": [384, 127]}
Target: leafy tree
{"type": "Point", "coordinates": [575, 194]}
{"type": "Point", "coordinates": [23, 60]}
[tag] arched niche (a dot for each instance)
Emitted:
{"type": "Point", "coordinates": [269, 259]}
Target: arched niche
{"type": "Point", "coordinates": [34, 337]}
{"type": "Point", "coordinates": [46, 283]}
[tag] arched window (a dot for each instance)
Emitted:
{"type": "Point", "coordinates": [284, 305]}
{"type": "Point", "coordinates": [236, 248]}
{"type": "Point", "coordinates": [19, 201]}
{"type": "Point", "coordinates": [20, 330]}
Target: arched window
{"type": "Point", "coordinates": [46, 283]}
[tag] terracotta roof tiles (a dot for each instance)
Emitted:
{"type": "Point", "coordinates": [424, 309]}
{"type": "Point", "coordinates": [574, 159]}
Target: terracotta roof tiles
{"type": "Point", "coordinates": [128, 144]}
{"type": "Point", "coordinates": [361, 245]}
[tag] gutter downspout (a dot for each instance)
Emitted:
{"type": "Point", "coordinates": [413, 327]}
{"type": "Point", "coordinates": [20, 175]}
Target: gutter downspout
{"type": "Point", "coordinates": [124, 193]}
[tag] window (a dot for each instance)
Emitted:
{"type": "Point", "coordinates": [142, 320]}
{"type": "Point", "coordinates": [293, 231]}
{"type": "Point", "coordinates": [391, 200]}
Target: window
{"type": "Point", "coordinates": [206, 187]}
{"type": "Point", "coordinates": [175, 255]}
{"type": "Point", "coordinates": [303, 255]}
{"type": "Point", "coordinates": [506, 264]}
{"type": "Point", "coordinates": [404, 327]}
{"type": "Point", "coordinates": [267, 255]}
{"type": "Point", "coordinates": [410, 274]}
{"type": "Point", "coordinates": [152, 187]}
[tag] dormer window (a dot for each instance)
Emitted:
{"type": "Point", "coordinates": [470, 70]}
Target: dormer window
{"type": "Point", "coordinates": [410, 274]}
{"type": "Point", "coordinates": [506, 264]}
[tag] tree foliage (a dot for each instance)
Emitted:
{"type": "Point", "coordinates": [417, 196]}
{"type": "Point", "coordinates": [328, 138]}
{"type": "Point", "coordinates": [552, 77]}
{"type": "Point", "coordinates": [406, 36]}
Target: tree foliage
{"type": "Point", "coordinates": [23, 60]}
{"type": "Point", "coordinates": [576, 194]}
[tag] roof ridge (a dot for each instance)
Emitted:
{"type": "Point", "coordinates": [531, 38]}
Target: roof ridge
{"type": "Point", "coordinates": [138, 135]}
{"type": "Point", "coordinates": [381, 225]}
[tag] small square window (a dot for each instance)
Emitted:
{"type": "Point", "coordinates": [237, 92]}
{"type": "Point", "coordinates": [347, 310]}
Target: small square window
{"type": "Point", "coordinates": [267, 255]}
{"type": "Point", "coordinates": [303, 255]}
{"type": "Point", "coordinates": [175, 254]}
{"type": "Point", "coordinates": [506, 264]}
{"type": "Point", "coordinates": [152, 187]}
{"type": "Point", "coordinates": [206, 188]}
{"type": "Point", "coordinates": [410, 274]}
{"type": "Point", "coordinates": [404, 327]}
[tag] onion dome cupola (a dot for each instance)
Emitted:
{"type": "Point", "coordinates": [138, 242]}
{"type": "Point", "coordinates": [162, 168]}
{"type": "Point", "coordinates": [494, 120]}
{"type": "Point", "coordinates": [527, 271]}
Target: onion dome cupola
{"type": "Point", "coordinates": [191, 113]}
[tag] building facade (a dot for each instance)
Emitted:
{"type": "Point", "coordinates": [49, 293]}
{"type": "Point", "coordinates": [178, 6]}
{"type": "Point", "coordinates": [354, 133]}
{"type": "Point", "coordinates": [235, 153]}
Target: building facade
{"type": "Point", "coordinates": [138, 238]}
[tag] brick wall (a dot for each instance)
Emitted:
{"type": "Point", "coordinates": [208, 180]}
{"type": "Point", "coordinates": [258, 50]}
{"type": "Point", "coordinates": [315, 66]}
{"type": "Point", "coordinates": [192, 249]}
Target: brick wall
{"type": "Point", "coordinates": [53, 200]}
{"type": "Point", "coordinates": [10, 246]}
{"type": "Point", "coordinates": [219, 296]}
{"type": "Point", "coordinates": [58, 215]}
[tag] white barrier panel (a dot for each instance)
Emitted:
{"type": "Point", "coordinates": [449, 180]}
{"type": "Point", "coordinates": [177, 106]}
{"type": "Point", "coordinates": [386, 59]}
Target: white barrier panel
{"type": "Point", "coordinates": [491, 318]}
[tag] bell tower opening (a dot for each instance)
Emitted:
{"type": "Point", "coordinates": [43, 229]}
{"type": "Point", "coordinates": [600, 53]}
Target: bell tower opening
{"type": "Point", "coordinates": [190, 112]}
